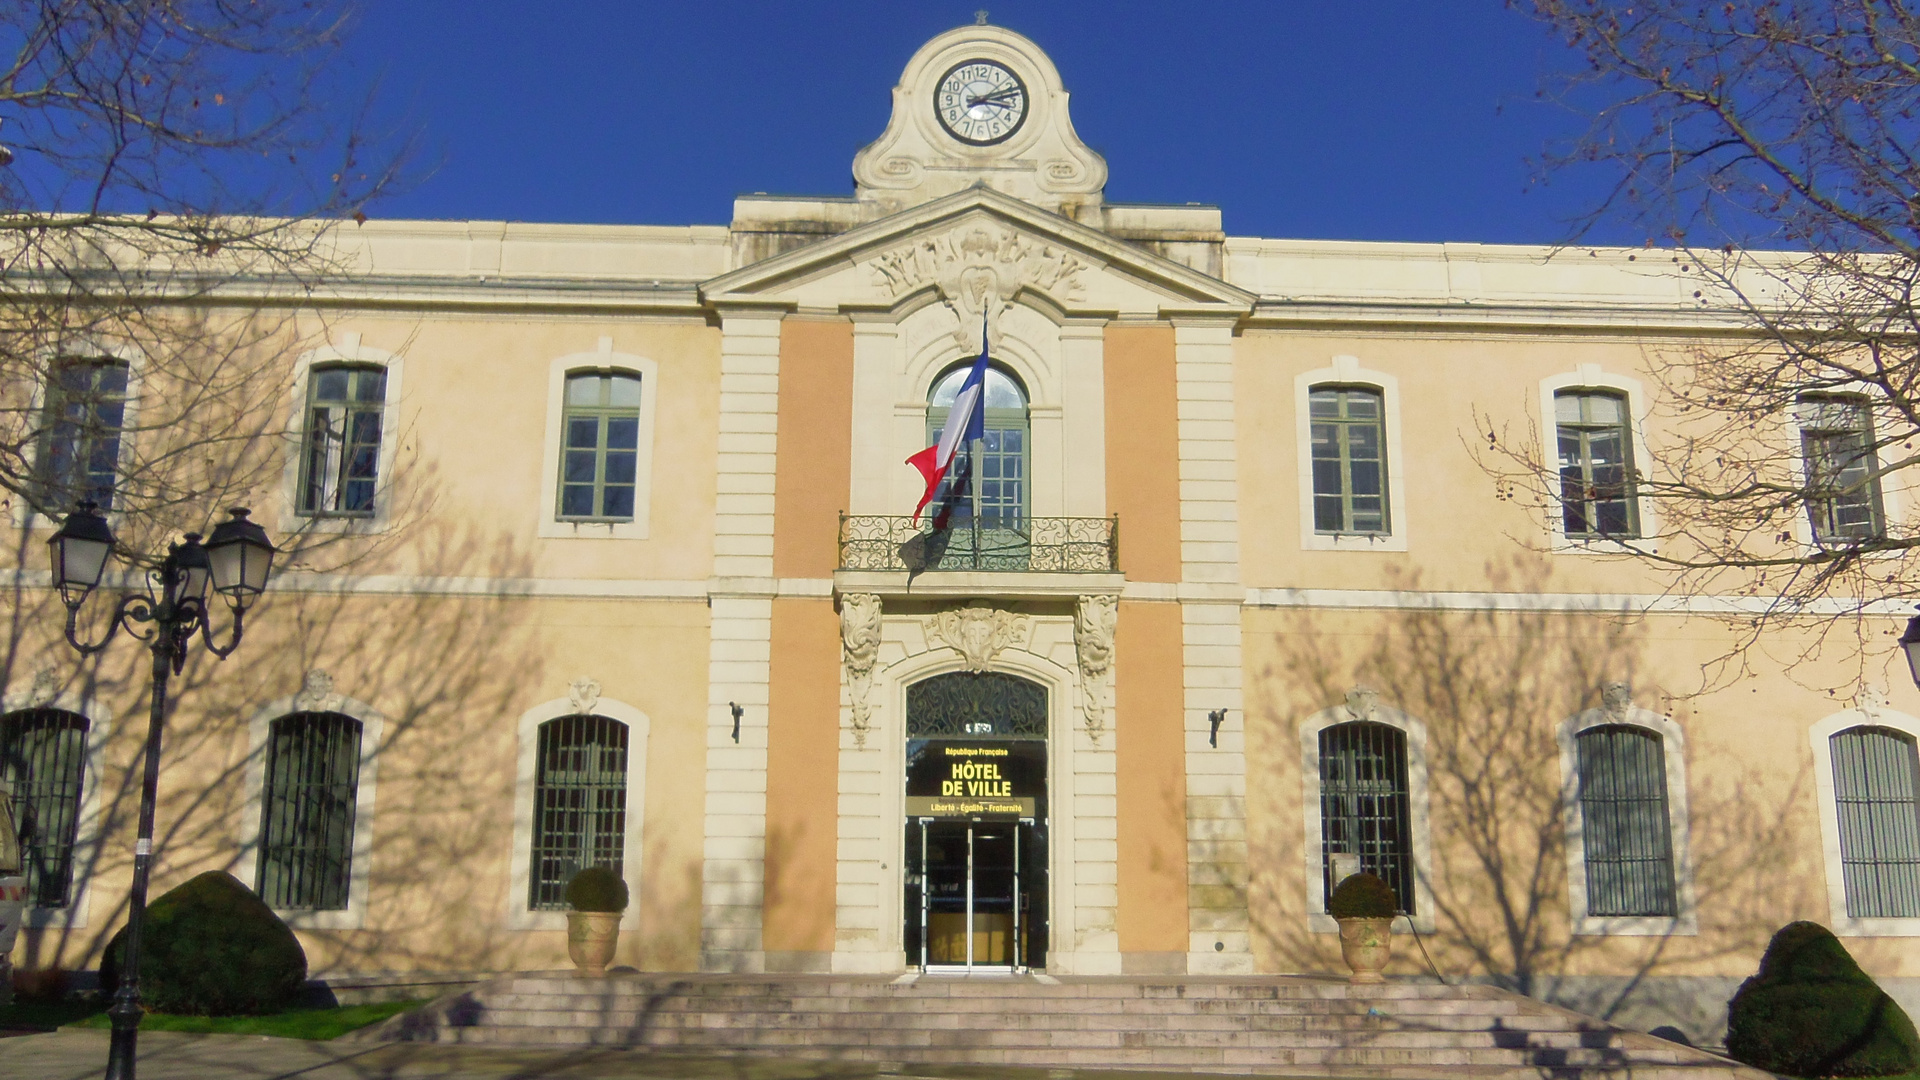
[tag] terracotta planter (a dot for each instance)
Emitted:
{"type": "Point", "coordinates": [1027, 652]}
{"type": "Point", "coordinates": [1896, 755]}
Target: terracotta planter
{"type": "Point", "coordinates": [1365, 945]}
{"type": "Point", "coordinates": [591, 936]}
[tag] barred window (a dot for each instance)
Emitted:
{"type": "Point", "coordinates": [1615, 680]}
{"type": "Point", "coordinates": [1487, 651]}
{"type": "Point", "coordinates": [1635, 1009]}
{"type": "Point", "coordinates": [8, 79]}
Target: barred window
{"type": "Point", "coordinates": [1349, 437]}
{"type": "Point", "coordinates": [307, 811]}
{"type": "Point", "coordinates": [1624, 825]}
{"type": "Point", "coordinates": [1843, 475]}
{"type": "Point", "coordinates": [1364, 805]}
{"type": "Point", "coordinates": [43, 755]}
{"type": "Point", "coordinates": [340, 462]}
{"type": "Point", "coordinates": [579, 805]}
{"type": "Point", "coordinates": [86, 412]}
{"type": "Point", "coordinates": [1596, 464]}
{"type": "Point", "coordinates": [1877, 802]}
{"type": "Point", "coordinates": [599, 463]}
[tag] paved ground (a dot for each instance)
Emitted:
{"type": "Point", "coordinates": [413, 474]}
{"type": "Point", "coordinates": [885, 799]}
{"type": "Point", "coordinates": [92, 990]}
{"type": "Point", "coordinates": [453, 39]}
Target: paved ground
{"type": "Point", "coordinates": [166, 1055]}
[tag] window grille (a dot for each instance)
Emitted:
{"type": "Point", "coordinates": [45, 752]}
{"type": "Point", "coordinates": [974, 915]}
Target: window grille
{"type": "Point", "coordinates": [307, 811]}
{"type": "Point", "coordinates": [1364, 804]}
{"type": "Point", "coordinates": [1002, 469]}
{"type": "Point", "coordinates": [1596, 464]}
{"type": "Point", "coordinates": [1843, 476]}
{"type": "Point", "coordinates": [341, 463]}
{"type": "Point", "coordinates": [598, 464]}
{"type": "Point", "coordinates": [1874, 793]}
{"type": "Point", "coordinates": [579, 805]}
{"type": "Point", "coordinates": [1624, 825]}
{"type": "Point", "coordinates": [86, 412]}
{"type": "Point", "coordinates": [987, 705]}
{"type": "Point", "coordinates": [43, 755]}
{"type": "Point", "coordinates": [1349, 436]}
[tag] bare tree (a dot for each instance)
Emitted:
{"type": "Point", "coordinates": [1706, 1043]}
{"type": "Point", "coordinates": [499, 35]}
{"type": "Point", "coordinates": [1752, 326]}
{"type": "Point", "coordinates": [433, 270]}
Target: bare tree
{"type": "Point", "coordinates": [173, 168]}
{"type": "Point", "coordinates": [1768, 152]}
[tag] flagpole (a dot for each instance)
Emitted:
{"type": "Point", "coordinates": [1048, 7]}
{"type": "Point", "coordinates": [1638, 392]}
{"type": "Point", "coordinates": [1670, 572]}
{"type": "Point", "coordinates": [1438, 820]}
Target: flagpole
{"type": "Point", "coordinates": [973, 484]}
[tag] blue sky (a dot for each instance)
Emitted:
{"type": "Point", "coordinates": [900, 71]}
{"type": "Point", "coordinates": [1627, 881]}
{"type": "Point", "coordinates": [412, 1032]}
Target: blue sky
{"type": "Point", "coordinates": [1393, 121]}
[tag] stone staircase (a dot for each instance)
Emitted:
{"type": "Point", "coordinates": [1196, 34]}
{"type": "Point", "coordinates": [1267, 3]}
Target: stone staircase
{"type": "Point", "coordinates": [1270, 1026]}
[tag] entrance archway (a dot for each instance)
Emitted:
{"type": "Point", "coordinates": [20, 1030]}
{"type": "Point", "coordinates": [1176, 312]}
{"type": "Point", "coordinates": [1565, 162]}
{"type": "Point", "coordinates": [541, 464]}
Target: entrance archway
{"type": "Point", "coordinates": [976, 823]}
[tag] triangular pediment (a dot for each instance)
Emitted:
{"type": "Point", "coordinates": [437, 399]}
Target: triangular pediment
{"type": "Point", "coordinates": [972, 241]}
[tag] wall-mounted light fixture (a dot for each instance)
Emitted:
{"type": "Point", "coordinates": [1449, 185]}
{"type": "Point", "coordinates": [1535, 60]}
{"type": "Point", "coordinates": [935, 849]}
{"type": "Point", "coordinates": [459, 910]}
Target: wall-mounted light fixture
{"type": "Point", "coordinates": [1215, 718]}
{"type": "Point", "coordinates": [737, 711]}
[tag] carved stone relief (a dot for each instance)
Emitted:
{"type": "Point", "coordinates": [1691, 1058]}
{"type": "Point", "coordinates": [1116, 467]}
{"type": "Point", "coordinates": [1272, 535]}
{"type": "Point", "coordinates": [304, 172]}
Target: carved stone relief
{"type": "Point", "coordinates": [1616, 698]}
{"type": "Point", "coordinates": [1094, 621]}
{"type": "Point", "coordinates": [583, 694]}
{"type": "Point", "coordinates": [1362, 701]}
{"type": "Point", "coordinates": [979, 268]}
{"type": "Point", "coordinates": [977, 632]}
{"type": "Point", "coordinates": [316, 693]}
{"type": "Point", "coordinates": [46, 688]}
{"type": "Point", "coordinates": [860, 648]}
{"type": "Point", "coordinates": [1871, 700]}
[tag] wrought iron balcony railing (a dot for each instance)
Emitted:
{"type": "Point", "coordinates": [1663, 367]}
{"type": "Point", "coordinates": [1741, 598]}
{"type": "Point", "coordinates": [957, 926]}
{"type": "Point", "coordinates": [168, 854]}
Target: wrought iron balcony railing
{"type": "Point", "coordinates": [1021, 545]}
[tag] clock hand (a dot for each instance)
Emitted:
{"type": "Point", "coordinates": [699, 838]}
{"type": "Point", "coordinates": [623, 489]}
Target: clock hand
{"type": "Point", "coordinates": [992, 99]}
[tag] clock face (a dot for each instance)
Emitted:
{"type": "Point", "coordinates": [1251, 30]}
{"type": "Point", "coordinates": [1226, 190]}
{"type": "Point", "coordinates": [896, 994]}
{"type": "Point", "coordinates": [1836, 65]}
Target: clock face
{"type": "Point", "coordinates": [980, 103]}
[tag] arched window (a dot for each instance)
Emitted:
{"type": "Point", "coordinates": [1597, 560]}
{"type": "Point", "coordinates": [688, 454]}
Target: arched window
{"type": "Point", "coordinates": [307, 809]}
{"type": "Point", "coordinates": [43, 755]}
{"type": "Point", "coordinates": [1001, 473]}
{"type": "Point", "coordinates": [1877, 803]}
{"type": "Point", "coordinates": [1364, 804]}
{"type": "Point", "coordinates": [1625, 828]}
{"type": "Point", "coordinates": [580, 804]}
{"type": "Point", "coordinates": [86, 410]}
{"type": "Point", "coordinates": [340, 455]}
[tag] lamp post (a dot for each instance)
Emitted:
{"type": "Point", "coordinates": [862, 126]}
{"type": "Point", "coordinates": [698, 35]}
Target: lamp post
{"type": "Point", "coordinates": [235, 561]}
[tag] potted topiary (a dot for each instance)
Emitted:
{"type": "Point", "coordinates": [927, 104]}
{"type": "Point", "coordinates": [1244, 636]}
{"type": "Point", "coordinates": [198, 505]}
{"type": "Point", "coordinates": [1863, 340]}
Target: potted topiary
{"type": "Point", "coordinates": [1364, 907]}
{"type": "Point", "coordinates": [597, 897]}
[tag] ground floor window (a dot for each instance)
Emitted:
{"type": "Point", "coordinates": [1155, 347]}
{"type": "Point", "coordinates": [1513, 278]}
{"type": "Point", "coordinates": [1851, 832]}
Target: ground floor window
{"type": "Point", "coordinates": [1365, 806]}
{"type": "Point", "coordinates": [580, 804]}
{"type": "Point", "coordinates": [43, 755]}
{"type": "Point", "coordinates": [1624, 825]}
{"type": "Point", "coordinates": [1877, 804]}
{"type": "Point", "coordinates": [307, 811]}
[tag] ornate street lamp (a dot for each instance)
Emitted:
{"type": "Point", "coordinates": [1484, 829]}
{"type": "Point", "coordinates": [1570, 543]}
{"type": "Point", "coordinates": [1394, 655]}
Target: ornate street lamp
{"type": "Point", "coordinates": [165, 615]}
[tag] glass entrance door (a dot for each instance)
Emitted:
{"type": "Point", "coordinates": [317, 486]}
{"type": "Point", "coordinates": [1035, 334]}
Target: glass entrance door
{"type": "Point", "coordinates": [973, 912]}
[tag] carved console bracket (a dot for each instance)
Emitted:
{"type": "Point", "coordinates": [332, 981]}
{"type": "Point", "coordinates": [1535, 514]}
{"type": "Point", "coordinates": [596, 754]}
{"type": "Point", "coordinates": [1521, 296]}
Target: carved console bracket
{"type": "Point", "coordinates": [860, 648]}
{"type": "Point", "coordinates": [1094, 621]}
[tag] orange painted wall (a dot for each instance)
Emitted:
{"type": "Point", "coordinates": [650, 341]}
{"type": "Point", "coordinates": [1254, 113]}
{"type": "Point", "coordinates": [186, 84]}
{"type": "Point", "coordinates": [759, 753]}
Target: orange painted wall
{"type": "Point", "coordinates": [803, 762]}
{"type": "Point", "coordinates": [1143, 451]}
{"type": "Point", "coordinates": [1151, 766]}
{"type": "Point", "coordinates": [813, 465]}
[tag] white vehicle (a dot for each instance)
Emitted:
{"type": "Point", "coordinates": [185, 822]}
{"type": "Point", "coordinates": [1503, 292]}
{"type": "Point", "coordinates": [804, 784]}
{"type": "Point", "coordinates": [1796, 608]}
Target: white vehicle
{"type": "Point", "coordinates": [13, 889]}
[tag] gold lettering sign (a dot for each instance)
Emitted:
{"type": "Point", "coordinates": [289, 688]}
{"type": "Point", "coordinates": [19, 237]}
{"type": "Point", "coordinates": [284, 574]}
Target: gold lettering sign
{"type": "Point", "coordinates": [940, 806]}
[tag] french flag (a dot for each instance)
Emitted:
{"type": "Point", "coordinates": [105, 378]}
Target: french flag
{"type": "Point", "coordinates": [966, 422]}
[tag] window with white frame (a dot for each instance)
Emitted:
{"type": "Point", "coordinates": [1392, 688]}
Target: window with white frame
{"type": "Point", "coordinates": [1842, 468]}
{"type": "Point", "coordinates": [1625, 823]}
{"type": "Point", "coordinates": [1876, 796]}
{"type": "Point", "coordinates": [1348, 439]}
{"type": "Point", "coordinates": [1365, 805]}
{"type": "Point", "coordinates": [307, 808]}
{"type": "Point", "coordinates": [598, 462]}
{"type": "Point", "coordinates": [579, 804]}
{"type": "Point", "coordinates": [1001, 476]}
{"type": "Point", "coordinates": [1595, 440]}
{"type": "Point", "coordinates": [43, 756]}
{"type": "Point", "coordinates": [79, 454]}
{"type": "Point", "coordinates": [340, 453]}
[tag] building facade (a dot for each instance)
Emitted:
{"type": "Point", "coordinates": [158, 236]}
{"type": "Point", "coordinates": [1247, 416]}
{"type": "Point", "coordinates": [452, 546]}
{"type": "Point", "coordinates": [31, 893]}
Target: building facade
{"type": "Point", "coordinates": [608, 558]}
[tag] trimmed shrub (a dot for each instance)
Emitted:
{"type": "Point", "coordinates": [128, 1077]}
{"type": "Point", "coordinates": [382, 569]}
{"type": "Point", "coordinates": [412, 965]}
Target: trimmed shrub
{"type": "Point", "coordinates": [597, 888]}
{"type": "Point", "coordinates": [1812, 1012]}
{"type": "Point", "coordinates": [212, 948]}
{"type": "Point", "coordinates": [1363, 896]}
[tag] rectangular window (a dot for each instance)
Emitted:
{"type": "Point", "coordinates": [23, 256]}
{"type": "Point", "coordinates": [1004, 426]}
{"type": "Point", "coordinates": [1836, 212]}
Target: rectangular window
{"type": "Point", "coordinates": [341, 463]}
{"type": "Point", "coordinates": [602, 446]}
{"type": "Point", "coordinates": [43, 755]}
{"type": "Point", "coordinates": [307, 812]}
{"type": "Point", "coordinates": [579, 805]}
{"type": "Point", "coordinates": [1624, 825]}
{"type": "Point", "coordinates": [1876, 794]}
{"type": "Point", "coordinates": [86, 412]}
{"type": "Point", "coordinates": [1843, 477]}
{"type": "Point", "coordinates": [1349, 436]}
{"type": "Point", "coordinates": [1596, 465]}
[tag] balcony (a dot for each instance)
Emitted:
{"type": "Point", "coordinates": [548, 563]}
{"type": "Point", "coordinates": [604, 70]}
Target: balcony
{"type": "Point", "coordinates": [1079, 545]}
